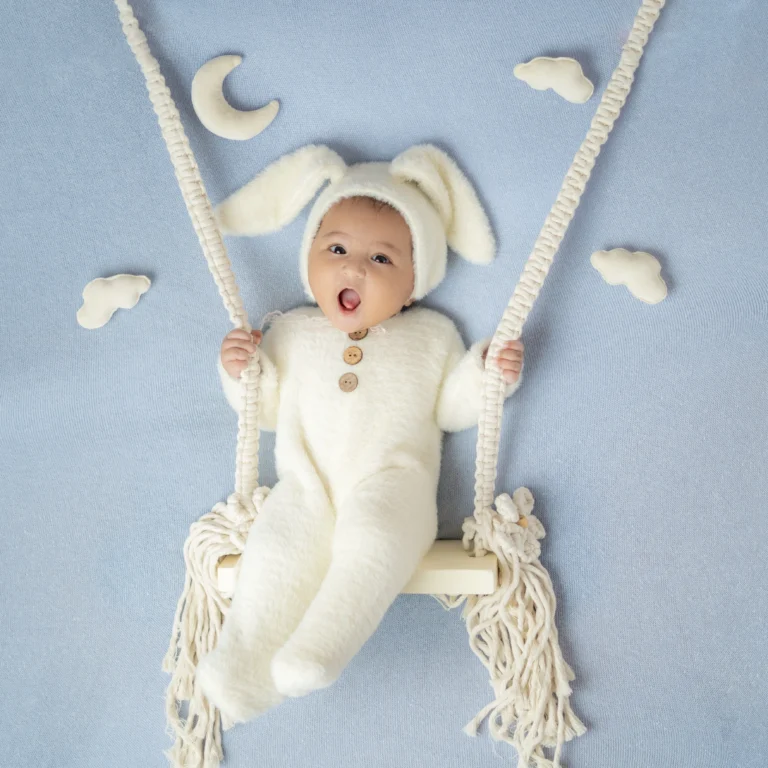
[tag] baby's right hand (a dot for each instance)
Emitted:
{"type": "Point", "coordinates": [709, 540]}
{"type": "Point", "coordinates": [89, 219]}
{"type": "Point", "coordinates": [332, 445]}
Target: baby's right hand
{"type": "Point", "coordinates": [236, 350]}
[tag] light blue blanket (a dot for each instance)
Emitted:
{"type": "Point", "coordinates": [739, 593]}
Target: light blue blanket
{"type": "Point", "coordinates": [641, 430]}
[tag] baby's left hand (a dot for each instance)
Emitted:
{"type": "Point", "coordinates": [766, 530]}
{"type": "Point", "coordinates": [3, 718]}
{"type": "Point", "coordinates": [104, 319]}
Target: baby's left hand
{"type": "Point", "coordinates": [510, 360]}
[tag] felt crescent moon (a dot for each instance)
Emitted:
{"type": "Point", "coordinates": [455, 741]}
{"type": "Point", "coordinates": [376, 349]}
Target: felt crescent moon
{"type": "Point", "coordinates": [216, 114]}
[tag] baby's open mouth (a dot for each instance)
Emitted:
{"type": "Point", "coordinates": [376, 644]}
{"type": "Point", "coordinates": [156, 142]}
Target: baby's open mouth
{"type": "Point", "coordinates": [349, 300]}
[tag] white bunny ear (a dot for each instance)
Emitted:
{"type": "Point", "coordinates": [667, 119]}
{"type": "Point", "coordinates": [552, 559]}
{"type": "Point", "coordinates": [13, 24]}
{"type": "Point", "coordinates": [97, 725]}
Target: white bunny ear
{"type": "Point", "coordinates": [278, 193]}
{"type": "Point", "coordinates": [467, 229]}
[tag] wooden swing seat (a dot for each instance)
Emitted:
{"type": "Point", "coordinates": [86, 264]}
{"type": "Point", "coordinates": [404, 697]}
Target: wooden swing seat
{"type": "Point", "coordinates": [447, 569]}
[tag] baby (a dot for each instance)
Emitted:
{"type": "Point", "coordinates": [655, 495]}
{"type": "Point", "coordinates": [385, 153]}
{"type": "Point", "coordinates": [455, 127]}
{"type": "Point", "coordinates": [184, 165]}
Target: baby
{"type": "Point", "coordinates": [359, 390]}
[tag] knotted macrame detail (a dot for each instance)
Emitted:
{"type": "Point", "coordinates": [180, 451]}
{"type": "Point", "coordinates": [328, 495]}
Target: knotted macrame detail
{"type": "Point", "coordinates": [513, 632]}
{"type": "Point", "coordinates": [197, 625]}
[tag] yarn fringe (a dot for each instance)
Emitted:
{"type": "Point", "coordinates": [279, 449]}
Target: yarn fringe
{"type": "Point", "coordinates": [197, 625]}
{"type": "Point", "coordinates": [513, 633]}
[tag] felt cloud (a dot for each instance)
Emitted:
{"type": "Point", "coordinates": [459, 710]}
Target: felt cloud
{"type": "Point", "coordinates": [639, 271]}
{"type": "Point", "coordinates": [562, 75]}
{"type": "Point", "coordinates": [103, 296]}
{"type": "Point", "coordinates": [216, 114]}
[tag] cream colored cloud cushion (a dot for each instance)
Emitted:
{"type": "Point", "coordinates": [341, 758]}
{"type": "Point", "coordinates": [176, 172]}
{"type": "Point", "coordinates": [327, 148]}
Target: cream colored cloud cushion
{"type": "Point", "coordinates": [103, 296]}
{"type": "Point", "coordinates": [563, 75]}
{"type": "Point", "coordinates": [638, 270]}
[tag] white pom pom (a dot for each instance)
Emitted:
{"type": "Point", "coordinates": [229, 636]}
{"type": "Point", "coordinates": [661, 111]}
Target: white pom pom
{"type": "Point", "coordinates": [523, 499]}
{"type": "Point", "coordinates": [507, 508]}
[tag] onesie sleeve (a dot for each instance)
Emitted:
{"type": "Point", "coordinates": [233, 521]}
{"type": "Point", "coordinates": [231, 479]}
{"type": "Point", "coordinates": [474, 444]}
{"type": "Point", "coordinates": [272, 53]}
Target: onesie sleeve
{"type": "Point", "coordinates": [458, 405]}
{"type": "Point", "coordinates": [269, 393]}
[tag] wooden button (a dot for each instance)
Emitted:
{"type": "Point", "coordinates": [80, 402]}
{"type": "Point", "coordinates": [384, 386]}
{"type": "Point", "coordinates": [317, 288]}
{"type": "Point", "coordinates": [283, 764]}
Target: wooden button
{"type": "Point", "coordinates": [357, 335]}
{"type": "Point", "coordinates": [348, 382]}
{"type": "Point", "coordinates": [353, 355]}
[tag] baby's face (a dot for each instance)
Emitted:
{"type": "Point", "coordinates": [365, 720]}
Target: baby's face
{"type": "Point", "coordinates": [360, 265]}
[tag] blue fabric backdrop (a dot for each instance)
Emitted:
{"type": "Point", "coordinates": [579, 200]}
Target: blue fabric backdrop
{"type": "Point", "coordinates": [640, 429]}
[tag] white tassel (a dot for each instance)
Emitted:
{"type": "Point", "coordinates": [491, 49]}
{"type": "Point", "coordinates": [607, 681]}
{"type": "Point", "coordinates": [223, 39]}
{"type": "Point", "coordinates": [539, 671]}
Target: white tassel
{"type": "Point", "coordinates": [513, 632]}
{"type": "Point", "coordinates": [197, 625]}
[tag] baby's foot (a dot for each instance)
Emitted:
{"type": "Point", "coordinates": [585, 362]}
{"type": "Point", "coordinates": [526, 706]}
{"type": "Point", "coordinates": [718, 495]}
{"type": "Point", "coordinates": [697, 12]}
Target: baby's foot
{"type": "Point", "coordinates": [297, 673]}
{"type": "Point", "coordinates": [240, 694]}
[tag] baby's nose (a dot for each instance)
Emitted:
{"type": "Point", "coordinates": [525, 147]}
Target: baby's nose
{"type": "Point", "coordinates": [354, 267]}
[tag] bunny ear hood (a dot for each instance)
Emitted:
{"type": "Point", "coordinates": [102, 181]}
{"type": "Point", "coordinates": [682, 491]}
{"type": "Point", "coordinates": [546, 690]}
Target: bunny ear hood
{"type": "Point", "coordinates": [276, 196]}
{"type": "Point", "coordinates": [467, 229]}
{"type": "Point", "coordinates": [422, 183]}
{"type": "Point", "coordinates": [375, 180]}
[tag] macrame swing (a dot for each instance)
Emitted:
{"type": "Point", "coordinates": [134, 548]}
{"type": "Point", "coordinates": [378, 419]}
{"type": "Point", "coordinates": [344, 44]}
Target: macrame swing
{"type": "Point", "coordinates": [513, 629]}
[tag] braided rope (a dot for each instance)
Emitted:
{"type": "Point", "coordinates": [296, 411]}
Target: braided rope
{"type": "Point", "coordinates": [547, 244]}
{"type": "Point", "coordinates": [208, 233]}
{"type": "Point", "coordinates": [201, 608]}
{"type": "Point", "coordinates": [513, 631]}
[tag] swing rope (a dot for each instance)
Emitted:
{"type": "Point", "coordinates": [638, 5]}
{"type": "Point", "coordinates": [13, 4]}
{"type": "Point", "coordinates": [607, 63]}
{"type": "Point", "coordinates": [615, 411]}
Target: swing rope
{"type": "Point", "coordinates": [201, 609]}
{"type": "Point", "coordinates": [513, 630]}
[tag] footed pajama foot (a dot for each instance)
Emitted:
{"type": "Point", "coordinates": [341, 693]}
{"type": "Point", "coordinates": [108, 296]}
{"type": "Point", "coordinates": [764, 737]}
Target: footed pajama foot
{"type": "Point", "coordinates": [236, 692]}
{"type": "Point", "coordinates": [297, 673]}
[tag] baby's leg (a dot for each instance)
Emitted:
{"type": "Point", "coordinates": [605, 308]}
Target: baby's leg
{"type": "Point", "coordinates": [286, 556]}
{"type": "Point", "coordinates": [383, 529]}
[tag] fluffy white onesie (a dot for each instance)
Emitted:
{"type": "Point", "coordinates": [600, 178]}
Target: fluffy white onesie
{"type": "Point", "coordinates": [354, 510]}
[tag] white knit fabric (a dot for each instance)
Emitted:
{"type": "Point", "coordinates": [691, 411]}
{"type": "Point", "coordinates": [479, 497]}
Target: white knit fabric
{"type": "Point", "coordinates": [423, 183]}
{"type": "Point", "coordinates": [351, 517]}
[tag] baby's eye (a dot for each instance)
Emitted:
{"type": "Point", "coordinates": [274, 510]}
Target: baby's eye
{"type": "Point", "coordinates": [337, 246]}
{"type": "Point", "coordinates": [381, 256]}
